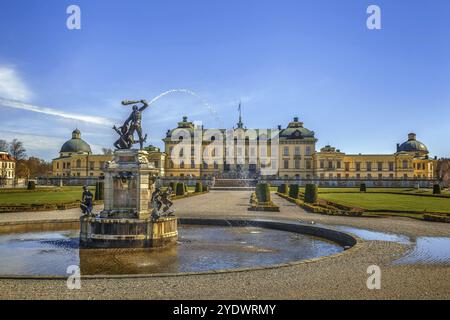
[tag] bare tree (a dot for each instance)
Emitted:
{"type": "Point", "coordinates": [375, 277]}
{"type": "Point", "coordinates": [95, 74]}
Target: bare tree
{"type": "Point", "coordinates": [4, 145]}
{"type": "Point", "coordinates": [17, 150]}
{"type": "Point", "coordinates": [3, 175]}
{"type": "Point", "coordinates": [107, 151]}
{"type": "Point", "coordinates": [443, 171]}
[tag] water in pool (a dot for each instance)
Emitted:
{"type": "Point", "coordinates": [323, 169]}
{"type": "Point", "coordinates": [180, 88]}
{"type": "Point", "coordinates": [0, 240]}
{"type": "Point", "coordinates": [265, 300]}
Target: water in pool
{"type": "Point", "coordinates": [199, 249]}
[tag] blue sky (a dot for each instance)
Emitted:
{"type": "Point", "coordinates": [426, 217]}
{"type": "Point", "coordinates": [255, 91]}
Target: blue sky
{"type": "Point", "coordinates": [360, 90]}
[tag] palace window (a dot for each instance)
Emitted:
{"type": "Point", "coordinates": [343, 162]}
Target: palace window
{"type": "Point", "coordinates": [380, 166]}
{"type": "Point", "coordinates": [347, 166]}
{"type": "Point", "coordinates": [330, 164]}
{"type": "Point", "coordinates": [322, 164]}
{"type": "Point", "coordinates": [91, 165]}
{"type": "Point", "coordinates": [391, 166]}
{"type": "Point", "coordinates": [405, 164]}
{"type": "Point", "coordinates": [338, 164]}
{"type": "Point", "coordinates": [297, 164]}
{"type": "Point", "coordinates": [308, 164]}
{"type": "Point", "coordinates": [358, 166]}
{"type": "Point", "coordinates": [308, 150]}
{"type": "Point", "coordinates": [192, 164]}
{"type": "Point", "coordinates": [57, 165]}
{"type": "Point", "coordinates": [297, 151]}
{"type": "Point", "coordinates": [286, 151]}
{"type": "Point", "coordinates": [182, 165]}
{"type": "Point", "coordinates": [286, 164]}
{"type": "Point", "coordinates": [369, 166]}
{"type": "Point", "coordinates": [339, 176]}
{"type": "Point", "coordinates": [78, 163]}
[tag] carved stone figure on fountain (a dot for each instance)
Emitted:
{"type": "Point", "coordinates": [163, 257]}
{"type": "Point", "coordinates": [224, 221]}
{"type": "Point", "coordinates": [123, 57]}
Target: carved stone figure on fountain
{"type": "Point", "coordinates": [161, 203]}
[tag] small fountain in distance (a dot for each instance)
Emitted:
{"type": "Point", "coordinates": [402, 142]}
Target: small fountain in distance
{"type": "Point", "coordinates": [128, 221]}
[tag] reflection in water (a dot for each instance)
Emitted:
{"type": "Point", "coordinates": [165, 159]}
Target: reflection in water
{"type": "Point", "coordinates": [375, 235]}
{"type": "Point", "coordinates": [428, 250]}
{"type": "Point", "coordinates": [199, 249]}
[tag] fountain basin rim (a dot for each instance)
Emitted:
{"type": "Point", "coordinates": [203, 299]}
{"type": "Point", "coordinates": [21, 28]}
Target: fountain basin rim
{"type": "Point", "coordinates": [342, 238]}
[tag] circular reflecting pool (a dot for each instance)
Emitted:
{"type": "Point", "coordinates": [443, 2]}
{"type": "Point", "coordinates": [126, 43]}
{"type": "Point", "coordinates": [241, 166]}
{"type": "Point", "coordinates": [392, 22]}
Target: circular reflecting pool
{"type": "Point", "coordinates": [199, 248]}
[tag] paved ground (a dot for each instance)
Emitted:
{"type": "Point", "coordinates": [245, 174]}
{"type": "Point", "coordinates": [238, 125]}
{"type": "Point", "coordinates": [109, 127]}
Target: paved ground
{"type": "Point", "coordinates": [330, 278]}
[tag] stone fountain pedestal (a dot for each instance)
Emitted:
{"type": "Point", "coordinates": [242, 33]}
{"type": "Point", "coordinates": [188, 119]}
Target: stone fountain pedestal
{"type": "Point", "coordinates": [126, 221]}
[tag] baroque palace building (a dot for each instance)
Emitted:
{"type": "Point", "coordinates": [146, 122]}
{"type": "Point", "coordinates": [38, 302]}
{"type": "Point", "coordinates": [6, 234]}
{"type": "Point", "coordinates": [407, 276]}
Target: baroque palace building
{"type": "Point", "coordinates": [296, 156]}
{"type": "Point", "coordinates": [7, 169]}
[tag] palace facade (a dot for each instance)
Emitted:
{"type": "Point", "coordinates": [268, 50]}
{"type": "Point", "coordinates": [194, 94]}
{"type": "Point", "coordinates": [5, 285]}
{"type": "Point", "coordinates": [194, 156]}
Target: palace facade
{"type": "Point", "coordinates": [296, 156]}
{"type": "Point", "coordinates": [7, 169]}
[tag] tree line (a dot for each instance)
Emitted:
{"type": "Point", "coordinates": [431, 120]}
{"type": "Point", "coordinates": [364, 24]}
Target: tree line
{"type": "Point", "coordinates": [26, 167]}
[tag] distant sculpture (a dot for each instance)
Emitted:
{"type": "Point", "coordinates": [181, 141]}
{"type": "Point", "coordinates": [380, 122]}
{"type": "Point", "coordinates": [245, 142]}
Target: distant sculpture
{"type": "Point", "coordinates": [131, 125]}
{"type": "Point", "coordinates": [86, 201]}
{"type": "Point", "coordinates": [162, 200]}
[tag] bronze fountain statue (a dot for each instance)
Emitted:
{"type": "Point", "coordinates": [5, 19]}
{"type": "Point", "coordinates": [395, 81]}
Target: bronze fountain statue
{"type": "Point", "coordinates": [131, 125]}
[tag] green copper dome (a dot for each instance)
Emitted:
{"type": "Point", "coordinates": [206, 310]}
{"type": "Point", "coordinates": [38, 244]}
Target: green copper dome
{"type": "Point", "coordinates": [76, 144]}
{"type": "Point", "coordinates": [295, 130]}
{"type": "Point", "coordinates": [412, 145]}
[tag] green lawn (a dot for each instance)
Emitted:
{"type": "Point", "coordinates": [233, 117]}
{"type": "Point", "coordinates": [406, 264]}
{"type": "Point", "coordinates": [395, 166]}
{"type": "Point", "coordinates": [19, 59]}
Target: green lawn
{"type": "Point", "coordinates": [388, 202]}
{"type": "Point", "coordinates": [42, 196]}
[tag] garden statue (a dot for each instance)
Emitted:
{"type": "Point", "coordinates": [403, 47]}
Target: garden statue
{"type": "Point", "coordinates": [131, 125]}
{"type": "Point", "coordinates": [86, 201]}
{"type": "Point", "coordinates": [162, 200]}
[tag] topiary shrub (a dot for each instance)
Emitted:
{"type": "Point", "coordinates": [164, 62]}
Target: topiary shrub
{"type": "Point", "coordinates": [362, 187]}
{"type": "Point", "coordinates": [436, 189]}
{"type": "Point", "coordinates": [198, 187]}
{"type": "Point", "coordinates": [263, 192]}
{"type": "Point", "coordinates": [293, 191]}
{"type": "Point", "coordinates": [283, 188]}
{"type": "Point", "coordinates": [311, 193]}
{"type": "Point", "coordinates": [179, 191]}
{"type": "Point", "coordinates": [99, 190]}
{"type": "Point", "coordinates": [31, 185]}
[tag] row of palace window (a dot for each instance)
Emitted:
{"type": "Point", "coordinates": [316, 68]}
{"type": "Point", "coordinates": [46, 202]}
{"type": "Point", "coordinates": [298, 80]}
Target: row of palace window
{"type": "Point", "coordinates": [251, 151]}
{"type": "Point", "coordinates": [66, 165]}
{"type": "Point", "coordinates": [297, 151]}
{"type": "Point", "coordinates": [215, 152]}
{"type": "Point", "coordinates": [369, 165]}
{"type": "Point", "coordinates": [7, 165]}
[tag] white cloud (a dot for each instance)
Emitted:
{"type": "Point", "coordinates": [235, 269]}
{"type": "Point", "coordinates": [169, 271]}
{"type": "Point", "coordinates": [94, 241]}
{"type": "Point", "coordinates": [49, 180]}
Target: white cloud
{"type": "Point", "coordinates": [12, 86]}
{"type": "Point", "coordinates": [54, 112]}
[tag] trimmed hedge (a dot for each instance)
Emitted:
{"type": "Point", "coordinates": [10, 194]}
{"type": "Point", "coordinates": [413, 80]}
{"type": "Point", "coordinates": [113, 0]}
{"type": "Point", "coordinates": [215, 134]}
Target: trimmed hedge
{"type": "Point", "coordinates": [436, 189]}
{"type": "Point", "coordinates": [99, 190]}
{"type": "Point", "coordinates": [198, 187]}
{"type": "Point", "coordinates": [362, 187]}
{"type": "Point", "coordinates": [173, 186]}
{"type": "Point", "coordinates": [283, 188]}
{"type": "Point", "coordinates": [311, 193]}
{"type": "Point", "coordinates": [180, 190]}
{"type": "Point", "coordinates": [436, 218]}
{"type": "Point", "coordinates": [263, 192]}
{"type": "Point", "coordinates": [31, 185]}
{"type": "Point", "coordinates": [293, 191]}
